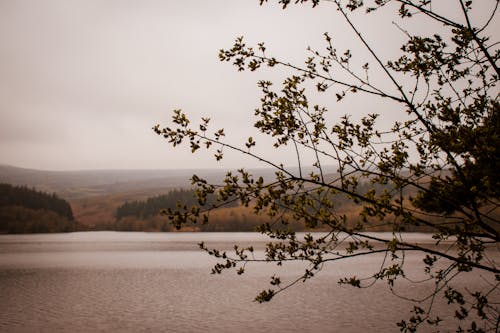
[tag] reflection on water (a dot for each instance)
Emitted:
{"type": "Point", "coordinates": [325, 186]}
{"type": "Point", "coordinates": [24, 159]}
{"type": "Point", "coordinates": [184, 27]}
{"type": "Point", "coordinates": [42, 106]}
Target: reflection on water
{"type": "Point", "coordinates": [107, 281]}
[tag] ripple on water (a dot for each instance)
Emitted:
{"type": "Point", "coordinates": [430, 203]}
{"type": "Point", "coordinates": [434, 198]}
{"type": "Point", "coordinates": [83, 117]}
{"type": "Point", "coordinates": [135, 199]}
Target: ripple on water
{"type": "Point", "coordinates": [127, 290]}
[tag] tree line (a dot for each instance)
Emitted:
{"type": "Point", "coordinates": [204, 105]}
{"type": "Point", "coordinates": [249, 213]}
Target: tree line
{"type": "Point", "coordinates": [154, 205]}
{"type": "Point", "coordinates": [26, 210]}
{"type": "Point", "coordinates": [230, 215]}
{"type": "Point", "coordinates": [145, 215]}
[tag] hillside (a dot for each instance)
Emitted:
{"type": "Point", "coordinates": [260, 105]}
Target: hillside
{"type": "Point", "coordinates": [26, 210]}
{"type": "Point", "coordinates": [86, 183]}
{"type": "Point", "coordinates": [95, 195]}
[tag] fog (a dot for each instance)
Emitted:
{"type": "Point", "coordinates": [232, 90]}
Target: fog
{"type": "Point", "coordinates": [83, 81]}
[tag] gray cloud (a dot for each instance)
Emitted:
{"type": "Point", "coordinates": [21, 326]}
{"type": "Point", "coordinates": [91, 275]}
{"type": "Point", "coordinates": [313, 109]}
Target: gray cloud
{"type": "Point", "coordinates": [83, 81]}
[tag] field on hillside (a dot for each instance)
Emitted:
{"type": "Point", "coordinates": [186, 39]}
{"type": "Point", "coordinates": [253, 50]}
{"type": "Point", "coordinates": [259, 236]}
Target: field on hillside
{"type": "Point", "coordinates": [99, 210]}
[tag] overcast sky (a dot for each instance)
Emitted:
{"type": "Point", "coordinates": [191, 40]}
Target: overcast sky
{"type": "Point", "coordinates": [83, 81]}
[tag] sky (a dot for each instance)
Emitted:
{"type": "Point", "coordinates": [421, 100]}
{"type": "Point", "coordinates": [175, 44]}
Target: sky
{"type": "Point", "coordinates": [83, 81]}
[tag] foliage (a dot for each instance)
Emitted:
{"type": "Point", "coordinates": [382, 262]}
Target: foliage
{"type": "Point", "coordinates": [22, 220]}
{"type": "Point", "coordinates": [24, 210]}
{"type": "Point", "coordinates": [31, 198]}
{"type": "Point", "coordinates": [154, 205]}
{"type": "Point", "coordinates": [434, 165]}
{"type": "Point", "coordinates": [145, 215]}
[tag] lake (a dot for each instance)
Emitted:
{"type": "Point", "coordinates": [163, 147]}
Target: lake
{"type": "Point", "coordinates": [161, 282]}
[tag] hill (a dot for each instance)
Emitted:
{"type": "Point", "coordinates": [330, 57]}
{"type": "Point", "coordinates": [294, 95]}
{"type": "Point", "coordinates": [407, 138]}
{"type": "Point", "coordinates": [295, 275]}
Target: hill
{"type": "Point", "coordinates": [94, 195]}
{"type": "Point", "coordinates": [87, 183]}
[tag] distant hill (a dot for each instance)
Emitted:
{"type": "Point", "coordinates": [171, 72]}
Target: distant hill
{"type": "Point", "coordinates": [95, 195]}
{"type": "Point", "coordinates": [87, 183]}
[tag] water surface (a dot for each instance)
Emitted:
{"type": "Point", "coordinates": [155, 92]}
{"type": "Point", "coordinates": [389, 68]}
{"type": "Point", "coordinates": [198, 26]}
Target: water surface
{"type": "Point", "coordinates": [135, 282]}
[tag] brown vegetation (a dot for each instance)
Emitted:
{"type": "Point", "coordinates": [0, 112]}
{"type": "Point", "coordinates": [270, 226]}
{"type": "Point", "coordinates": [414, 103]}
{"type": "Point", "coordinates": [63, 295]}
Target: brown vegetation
{"type": "Point", "coordinates": [98, 212]}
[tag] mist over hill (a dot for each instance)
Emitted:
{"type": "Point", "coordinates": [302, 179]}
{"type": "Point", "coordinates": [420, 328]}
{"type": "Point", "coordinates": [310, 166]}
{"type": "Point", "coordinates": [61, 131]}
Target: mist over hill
{"type": "Point", "coordinates": [85, 183]}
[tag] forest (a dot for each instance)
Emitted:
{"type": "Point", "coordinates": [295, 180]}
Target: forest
{"type": "Point", "coordinates": [145, 215]}
{"type": "Point", "coordinates": [25, 210]}
{"type": "Point", "coordinates": [153, 205]}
